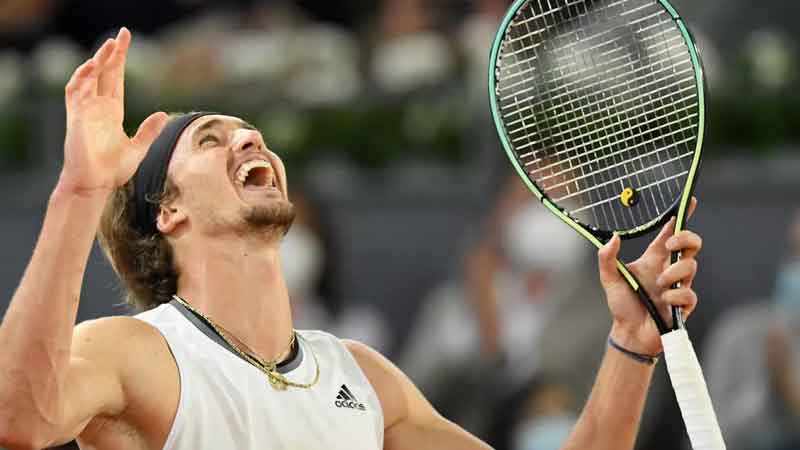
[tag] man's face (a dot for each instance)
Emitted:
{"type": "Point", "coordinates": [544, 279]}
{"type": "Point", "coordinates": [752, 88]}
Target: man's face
{"type": "Point", "coordinates": [228, 180]}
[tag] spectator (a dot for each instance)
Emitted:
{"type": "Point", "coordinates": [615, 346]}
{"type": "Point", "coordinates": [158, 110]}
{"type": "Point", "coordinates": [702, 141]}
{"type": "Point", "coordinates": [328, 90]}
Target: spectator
{"type": "Point", "coordinates": [508, 311]}
{"type": "Point", "coordinates": [752, 363]}
{"type": "Point", "coordinates": [307, 267]}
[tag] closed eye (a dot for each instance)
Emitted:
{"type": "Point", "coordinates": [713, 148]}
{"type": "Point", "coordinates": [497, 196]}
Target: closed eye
{"type": "Point", "coordinates": [208, 138]}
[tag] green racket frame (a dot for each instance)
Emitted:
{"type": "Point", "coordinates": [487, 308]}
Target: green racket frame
{"type": "Point", "coordinates": [597, 237]}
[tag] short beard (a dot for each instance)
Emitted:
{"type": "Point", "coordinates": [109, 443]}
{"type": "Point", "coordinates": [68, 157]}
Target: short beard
{"type": "Point", "coordinates": [274, 220]}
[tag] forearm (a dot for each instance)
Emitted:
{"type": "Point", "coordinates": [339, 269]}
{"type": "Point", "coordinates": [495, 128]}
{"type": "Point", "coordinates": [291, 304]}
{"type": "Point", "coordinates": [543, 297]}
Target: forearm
{"type": "Point", "coordinates": [36, 332]}
{"type": "Point", "coordinates": [610, 419]}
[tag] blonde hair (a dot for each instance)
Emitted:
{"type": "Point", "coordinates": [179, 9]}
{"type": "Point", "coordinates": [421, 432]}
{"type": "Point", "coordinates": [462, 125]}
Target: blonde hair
{"type": "Point", "coordinates": [144, 264]}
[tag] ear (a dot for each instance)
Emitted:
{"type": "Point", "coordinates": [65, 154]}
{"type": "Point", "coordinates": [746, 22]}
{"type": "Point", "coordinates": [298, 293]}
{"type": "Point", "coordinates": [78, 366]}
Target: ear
{"type": "Point", "coordinates": [169, 217]}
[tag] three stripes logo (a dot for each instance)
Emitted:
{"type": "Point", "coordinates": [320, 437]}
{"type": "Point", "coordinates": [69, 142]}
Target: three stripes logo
{"type": "Point", "coordinates": [346, 399]}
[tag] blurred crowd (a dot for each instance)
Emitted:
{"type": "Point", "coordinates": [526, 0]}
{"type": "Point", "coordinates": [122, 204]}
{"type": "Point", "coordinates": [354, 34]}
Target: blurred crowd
{"type": "Point", "coordinates": [508, 343]}
{"type": "Point", "coordinates": [752, 363]}
{"type": "Point", "coordinates": [411, 72]}
{"type": "Point", "coordinates": [396, 73]}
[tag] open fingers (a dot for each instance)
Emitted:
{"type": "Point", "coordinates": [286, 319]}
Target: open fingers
{"type": "Point", "coordinates": [687, 242]}
{"type": "Point", "coordinates": [682, 272]}
{"type": "Point", "coordinates": [657, 247]}
{"type": "Point", "coordinates": [101, 58]}
{"type": "Point", "coordinates": [683, 297]}
{"type": "Point", "coordinates": [105, 51]}
{"type": "Point", "coordinates": [112, 82]}
{"type": "Point", "coordinates": [83, 83]}
{"type": "Point", "coordinates": [80, 74]}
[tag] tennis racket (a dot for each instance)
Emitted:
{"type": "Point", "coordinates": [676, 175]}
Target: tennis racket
{"type": "Point", "coordinates": [600, 106]}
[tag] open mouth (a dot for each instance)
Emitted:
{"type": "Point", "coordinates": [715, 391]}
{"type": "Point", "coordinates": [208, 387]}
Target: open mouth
{"type": "Point", "coordinates": [256, 175]}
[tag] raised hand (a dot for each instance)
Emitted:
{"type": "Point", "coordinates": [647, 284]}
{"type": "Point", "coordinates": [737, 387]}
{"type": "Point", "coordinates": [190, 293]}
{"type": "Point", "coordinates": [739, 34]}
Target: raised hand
{"type": "Point", "coordinates": [98, 155]}
{"type": "Point", "coordinates": [633, 327]}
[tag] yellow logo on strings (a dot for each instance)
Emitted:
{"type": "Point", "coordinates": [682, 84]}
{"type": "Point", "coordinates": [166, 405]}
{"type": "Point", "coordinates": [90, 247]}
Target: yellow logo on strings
{"type": "Point", "coordinates": [628, 197]}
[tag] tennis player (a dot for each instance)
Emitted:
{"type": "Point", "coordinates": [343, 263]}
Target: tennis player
{"type": "Point", "coordinates": [191, 211]}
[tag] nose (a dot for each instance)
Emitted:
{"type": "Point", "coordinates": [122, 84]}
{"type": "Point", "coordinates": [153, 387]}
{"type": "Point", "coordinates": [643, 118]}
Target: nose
{"type": "Point", "coordinates": [247, 140]}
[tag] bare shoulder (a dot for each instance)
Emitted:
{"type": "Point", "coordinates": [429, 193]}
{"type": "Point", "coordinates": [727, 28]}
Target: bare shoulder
{"type": "Point", "coordinates": [375, 366]}
{"type": "Point", "coordinates": [113, 340]}
{"type": "Point", "coordinates": [389, 382]}
{"type": "Point", "coordinates": [115, 327]}
{"type": "Point", "coordinates": [409, 419]}
{"type": "Point", "coordinates": [129, 346]}
{"type": "Point", "coordinates": [137, 354]}
{"type": "Point", "coordinates": [129, 349]}
{"type": "Point", "coordinates": [363, 353]}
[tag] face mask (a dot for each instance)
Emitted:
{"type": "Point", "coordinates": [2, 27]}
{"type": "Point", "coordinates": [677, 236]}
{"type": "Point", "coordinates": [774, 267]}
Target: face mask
{"type": "Point", "coordinates": [544, 433]}
{"type": "Point", "coordinates": [301, 258]}
{"type": "Point", "coordinates": [535, 240]}
{"type": "Point", "coordinates": [787, 287]}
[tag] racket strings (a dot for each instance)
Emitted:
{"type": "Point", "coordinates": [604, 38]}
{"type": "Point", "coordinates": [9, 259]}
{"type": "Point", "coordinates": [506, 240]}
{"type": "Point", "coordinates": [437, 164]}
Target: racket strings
{"type": "Point", "coordinates": [668, 74]}
{"type": "Point", "coordinates": [593, 182]}
{"type": "Point", "coordinates": [695, 117]}
{"type": "Point", "coordinates": [690, 110]}
{"type": "Point", "coordinates": [567, 93]}
{"type": "Point", "coordinates": [597, 97]}
{"type": "Point", "coordinates": [613, 171]}
{"type": "Point", "coordinates": [660, 162]}
{"type": "Point", "coordinates": [592, 142]}
{"type": "Point", "coordinates": [639, 158]}
{"type": "Point", "coordinates": [687, 135]}
{"type": "Point", "coordinates": [587, 70]}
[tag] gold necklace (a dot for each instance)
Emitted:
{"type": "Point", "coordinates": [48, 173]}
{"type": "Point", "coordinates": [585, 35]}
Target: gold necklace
{"type": "Point", "coordinates": [270, 368]}
{"type": "Point", "coordinates": [246, 349]}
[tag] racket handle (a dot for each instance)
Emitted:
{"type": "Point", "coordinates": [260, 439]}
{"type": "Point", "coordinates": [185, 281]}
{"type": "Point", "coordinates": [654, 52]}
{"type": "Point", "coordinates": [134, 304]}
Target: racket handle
{"type": "Point", "coordinates": [691, 391]}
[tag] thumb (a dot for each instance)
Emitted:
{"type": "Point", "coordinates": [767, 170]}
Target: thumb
{"type": "Point", "coordinates": [150, 129]}
{"type": "Point", "coordinates": [607, 261]}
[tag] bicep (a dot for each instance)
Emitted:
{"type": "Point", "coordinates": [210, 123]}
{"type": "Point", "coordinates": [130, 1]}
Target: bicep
{"type": "Point", "coordinates": [423, 428]}
{"type": "Point", "coordinates": [93, 385]}
{"type": "Point", "coordinates": [410, 421]}
{"type": "Point", "coordinates": [434, 433]}
{"type": "Point", "coordinates": [90, 390]}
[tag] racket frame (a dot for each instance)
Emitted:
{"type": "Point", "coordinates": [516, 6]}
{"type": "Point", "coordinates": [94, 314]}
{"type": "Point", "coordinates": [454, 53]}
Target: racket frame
{"type": "Point", "coordinates": [682, 365]}
{"type": "Point", "coordinates": [600, 237]}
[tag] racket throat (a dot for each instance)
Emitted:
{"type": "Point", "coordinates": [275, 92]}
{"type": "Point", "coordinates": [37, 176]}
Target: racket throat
{"type": "Point", "coordinates": [645, 300]}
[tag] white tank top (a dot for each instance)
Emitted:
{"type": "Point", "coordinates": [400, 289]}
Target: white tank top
{"type": "Point", "coordinates": [228, 404]}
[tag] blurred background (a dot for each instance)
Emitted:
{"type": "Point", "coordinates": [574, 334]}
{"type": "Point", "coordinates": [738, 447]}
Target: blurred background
{"type": "Point", "coordinates": [413, 234]}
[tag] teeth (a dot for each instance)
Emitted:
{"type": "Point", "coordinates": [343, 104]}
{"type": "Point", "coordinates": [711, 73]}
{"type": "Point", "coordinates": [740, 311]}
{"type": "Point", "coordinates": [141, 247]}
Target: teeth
{"type": "Point", "coordinates": [246, 167]}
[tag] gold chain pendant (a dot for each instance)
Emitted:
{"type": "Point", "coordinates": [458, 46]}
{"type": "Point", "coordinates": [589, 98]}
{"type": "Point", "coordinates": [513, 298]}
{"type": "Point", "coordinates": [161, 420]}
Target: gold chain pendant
{"type": "Point", "coordinates": [277, 383]}
{"type": "Point", "coordinates": [269, 368]}
{"type": "Point", "coordinates": [275, 379]}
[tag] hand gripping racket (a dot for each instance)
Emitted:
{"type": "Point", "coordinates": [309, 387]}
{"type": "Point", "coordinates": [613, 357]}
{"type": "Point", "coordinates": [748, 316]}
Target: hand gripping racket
{"type": "Point", "coordinates": [600, 105]}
